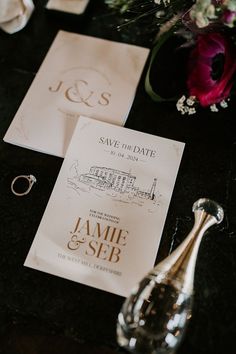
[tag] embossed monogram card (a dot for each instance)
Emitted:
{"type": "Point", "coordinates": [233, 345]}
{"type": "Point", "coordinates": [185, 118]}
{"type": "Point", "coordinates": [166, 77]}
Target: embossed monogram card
{"type": "Point", "coordinates": [103, 222]}
{"type": "Point", "coordinates": [80, 75]}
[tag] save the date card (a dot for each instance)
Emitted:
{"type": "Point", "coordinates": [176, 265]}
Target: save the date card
{"type": "Point", "coordinates": [104, 220]}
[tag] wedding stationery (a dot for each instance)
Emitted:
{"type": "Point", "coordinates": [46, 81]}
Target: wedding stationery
{"type": "Point", "coordinates": [80, 75]}
{"type": "Point", "coordinates": [76, 7]}
{"type": "Point", "coordinates": [103, 222]}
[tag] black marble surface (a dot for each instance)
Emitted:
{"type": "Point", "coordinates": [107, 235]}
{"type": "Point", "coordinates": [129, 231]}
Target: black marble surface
{"type": "Point", "coordinates": [40, 313]}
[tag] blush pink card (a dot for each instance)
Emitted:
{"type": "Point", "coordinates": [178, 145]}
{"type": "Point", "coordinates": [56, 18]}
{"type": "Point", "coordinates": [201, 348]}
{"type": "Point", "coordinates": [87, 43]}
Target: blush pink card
{"type": "Point", "coordinates": [104, 220]}
{"type": "Point", "coordinates": [80, 75]}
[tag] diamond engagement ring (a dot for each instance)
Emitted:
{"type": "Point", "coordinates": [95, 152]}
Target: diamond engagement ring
{"type": "Point", "coordinates": [31, 180]}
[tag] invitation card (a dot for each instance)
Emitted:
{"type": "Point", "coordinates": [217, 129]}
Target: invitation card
{"type": "Point", "coordinates": [80, 75]}
{"type": "Point", "coordinates": [103, 222]}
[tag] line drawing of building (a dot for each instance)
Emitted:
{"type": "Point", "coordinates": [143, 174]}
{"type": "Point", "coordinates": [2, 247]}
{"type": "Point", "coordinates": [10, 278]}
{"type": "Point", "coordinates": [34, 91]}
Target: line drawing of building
{"type": "Point", "coordinates": [105, 178]}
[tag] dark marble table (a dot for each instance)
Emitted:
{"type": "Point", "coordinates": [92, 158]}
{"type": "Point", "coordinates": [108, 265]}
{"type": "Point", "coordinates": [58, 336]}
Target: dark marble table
{"type": "Point", "coordinates": [40, 313]}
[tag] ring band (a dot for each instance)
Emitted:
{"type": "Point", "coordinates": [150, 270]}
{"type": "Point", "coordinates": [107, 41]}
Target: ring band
{"type": "Point", "coordinates": [31, 180]}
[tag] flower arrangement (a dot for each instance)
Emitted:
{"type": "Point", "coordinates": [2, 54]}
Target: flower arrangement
{"type": "Point", "coordinates": [204, 30]}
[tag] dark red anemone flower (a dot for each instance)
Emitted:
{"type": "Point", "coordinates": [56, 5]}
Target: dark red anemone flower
{"type": "Point", "coordinates": [212, 65]}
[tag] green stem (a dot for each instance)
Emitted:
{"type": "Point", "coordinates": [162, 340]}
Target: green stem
{"type": "Point", "coordinates": [148, 86]}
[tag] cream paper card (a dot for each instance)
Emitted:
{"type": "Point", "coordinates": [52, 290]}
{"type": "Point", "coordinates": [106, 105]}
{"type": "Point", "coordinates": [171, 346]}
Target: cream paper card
{"type": "Point", "coordinates": [76, 7]}
{"type": "Point", "coordinates": [80, 75]}
{"type": "Point", "coordinates": [103, 222]}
